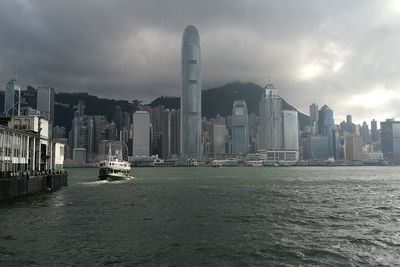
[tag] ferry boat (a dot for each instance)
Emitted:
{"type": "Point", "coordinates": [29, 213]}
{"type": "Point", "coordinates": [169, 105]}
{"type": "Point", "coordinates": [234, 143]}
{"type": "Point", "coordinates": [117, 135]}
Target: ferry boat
{"type": "Point", "coordinates": [114, 168]}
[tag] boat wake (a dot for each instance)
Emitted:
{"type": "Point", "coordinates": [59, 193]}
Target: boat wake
{"type": "Point", "coordinates": [96, 183]}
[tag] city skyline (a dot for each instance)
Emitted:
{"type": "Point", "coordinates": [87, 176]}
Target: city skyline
{"type": "Point", "coordinates": [343, 57]}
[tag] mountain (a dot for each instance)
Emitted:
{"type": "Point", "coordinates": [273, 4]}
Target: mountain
{"type": "Point", "coordinates": [65, 102]}
{"type": "Point", "coordinates": [219, 100]}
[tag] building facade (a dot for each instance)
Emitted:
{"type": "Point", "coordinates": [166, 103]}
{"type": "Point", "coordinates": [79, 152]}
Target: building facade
{"type": "Point", "coordinates": [354, 145]}
{"type": "Point", "coordinates": [326, 127]}
{"type": "Point", "coordinates": [314, 117]}
{"type": "Point", "coordinates": [270, 129]}
{"type": "Point", "coordinates": [12, 99]}
{"type": "Point", "coordinates": [290, 130]}
{"type": "Point", "coordinates": [191, 94]}
{"type": "Point", "coordinates": [240, 128]}
{"type": "Point", "coordinates": [390, 140]}
{"type": "Point", "coordinates": [45, 104]}
{"type": "Point", "coordinates": [141, 134]}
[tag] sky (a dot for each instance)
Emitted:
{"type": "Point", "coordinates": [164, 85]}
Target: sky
{"type": "Point", "coordinates": [341, 53]}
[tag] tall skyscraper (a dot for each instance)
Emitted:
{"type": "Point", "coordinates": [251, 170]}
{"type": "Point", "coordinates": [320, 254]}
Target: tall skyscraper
{"type": "Point", "coordinates": [166, 134]}
{"type": "Point", "coordinates": [141, 134]}
{"type": "Point", "coordinates": [117, 118]}
{"type": "Point", "coordinates": [374, 131]}
{"type": "Point", "coordinates": [175, 132]}
{"type": "Point", "coordinates": [326, 127]}
{"type": "Point", "coordinates": [219, 139]}
{"type": "Point", "coordinates": [290, 130]}
{"type": "Point", "coordinates": [45, 104]}
{"type": "Point", "coordinates": [12, 99]}
{"type": "Point", "coordinates": [100, 124]}
{"type": "Point", "coordinates": [354, 147]}
{"type": "Point", "coordinates": [365, 134]}
{"type": "Point", "coordinates": [240, 128]}
{"type": "Point", "coordinates": [270, 135]}
{"type": "Point", "coordinates": [314, 117]}
{"type": "Point", "coordinates": [83, 135]}
{"type": "Point", "coordinates": [390, 138]}
{"type": "Point", "coordinates": [191, 94]}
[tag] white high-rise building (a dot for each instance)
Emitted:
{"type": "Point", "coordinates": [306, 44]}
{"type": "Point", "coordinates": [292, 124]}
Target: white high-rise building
{"type": "Point", "coordinates": [141, 134]}
{"type": "Point", "coordinates": [270, 131]}
{"type": "Point", "coordinates": [191, 94]}
{"type": "Point", "coordinates": [240, 128]}
{"type": "Point", "coordinates": [290, 130]}
{"type": "Point", "coordinates": [12, 99]}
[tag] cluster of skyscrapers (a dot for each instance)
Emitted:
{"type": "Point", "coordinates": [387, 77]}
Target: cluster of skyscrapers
{"type": "Point", "coordinates": [275, 134]}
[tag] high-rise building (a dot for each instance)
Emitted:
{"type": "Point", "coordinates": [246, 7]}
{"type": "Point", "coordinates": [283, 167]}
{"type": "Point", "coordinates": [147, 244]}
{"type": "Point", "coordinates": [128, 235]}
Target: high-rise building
{"type": "Point", "coordinates": [253, 132]}
{"type": "Point", "coordinates": [59, 132]}
{"type": "Point", "coordinates": [240, 128]}
{"type": "Point", "coordinates": [365, 134]}
{"type": "Point", "coordinates": [126, 121]}
{"type": "Point", "coordinates": [316, 147]}
{"type": "Point", "coordinates": [290, 130]}
{"type": "Point", "coordinates": [141, 134]}
{"type": "Point", "coordinates": [100, 130]}
{"type": "Point", "coordinates": [348, 127]}
{"type": "Point", "coordinates": [117, 118]}
{"type": "Point", "coordinates": [80, 108]}
{"type": "Point", "coordinates": [166, 134]}
{"type": "Point", "coordinates": [219, 139]}
{"type": "Point", "coordinates": [354, 147]}
{"type": "Point", "coordinates": [12, 99]}
{"type": "Point", "coordinates": [326, 127]}
{"type": "Point", "coordinates": [191, 94]}
{"type": "Point", "coordinates": [45, 104]}
{"type": "Point", "coordinates": [270, 131]}
{"type": "Point", "coordinates": [374, 131]}
{"type": "Point", "coordinates": [390, 139]}
{"type": "Point", "coordinates": [314, 117]}
{"type": "Point", "coordinates": [175, 132]}
{"type": "Point", "coordinates": [83, 135]}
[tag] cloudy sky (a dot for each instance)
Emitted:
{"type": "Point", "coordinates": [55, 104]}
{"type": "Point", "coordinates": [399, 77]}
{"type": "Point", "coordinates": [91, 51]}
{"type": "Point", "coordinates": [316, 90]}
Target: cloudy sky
{"type": "Point", "coordinates": [341, 53]}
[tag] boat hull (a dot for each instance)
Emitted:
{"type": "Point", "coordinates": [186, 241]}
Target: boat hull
{"type": "Point", "coordinates": [114, 177]}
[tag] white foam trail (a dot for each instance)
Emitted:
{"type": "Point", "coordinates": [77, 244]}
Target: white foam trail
{"type": "Point", "coordinates": [94, 183]}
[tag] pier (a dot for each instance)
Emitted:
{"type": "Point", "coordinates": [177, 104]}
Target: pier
{"type": "Point", "coordinates": [14, 186]}
{"type": "Point", "coordinates": [30, 160]}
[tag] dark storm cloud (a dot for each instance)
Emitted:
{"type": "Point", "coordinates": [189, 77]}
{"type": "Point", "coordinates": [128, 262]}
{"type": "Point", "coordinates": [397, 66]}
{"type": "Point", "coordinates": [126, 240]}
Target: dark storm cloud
{"type": "Point", "coordinates": [340, 53]}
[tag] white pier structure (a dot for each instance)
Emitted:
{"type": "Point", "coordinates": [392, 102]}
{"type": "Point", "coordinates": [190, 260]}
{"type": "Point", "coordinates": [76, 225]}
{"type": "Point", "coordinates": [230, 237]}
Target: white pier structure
{"type": "Point", "coordinates": [25, 145]}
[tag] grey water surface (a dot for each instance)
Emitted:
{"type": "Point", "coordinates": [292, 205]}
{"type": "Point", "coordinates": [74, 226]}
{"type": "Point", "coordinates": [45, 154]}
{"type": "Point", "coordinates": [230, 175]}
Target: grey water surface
{"type": "Point", "coordinates": [309, 216]}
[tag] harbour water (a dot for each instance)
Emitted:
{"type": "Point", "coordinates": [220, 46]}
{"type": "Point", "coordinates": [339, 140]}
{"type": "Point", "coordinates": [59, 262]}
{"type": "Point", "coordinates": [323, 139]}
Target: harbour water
{"type": "Point", "coordinates": [314, 216]}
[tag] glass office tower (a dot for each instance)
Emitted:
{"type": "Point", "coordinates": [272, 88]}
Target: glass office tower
{"type": "Point", "coordinates": [191, 94]}
{"type": "Point", "coordinates": [240, 128]}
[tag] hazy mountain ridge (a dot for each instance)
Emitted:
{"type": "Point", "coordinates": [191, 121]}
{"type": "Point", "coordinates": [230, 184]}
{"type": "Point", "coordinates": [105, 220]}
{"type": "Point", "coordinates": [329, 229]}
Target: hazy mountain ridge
{"type": "Point", "coordinates": [218, 100]}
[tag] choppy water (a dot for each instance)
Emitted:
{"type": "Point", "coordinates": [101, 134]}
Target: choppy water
{"type": "Point", "coordinates": [336, 216]}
